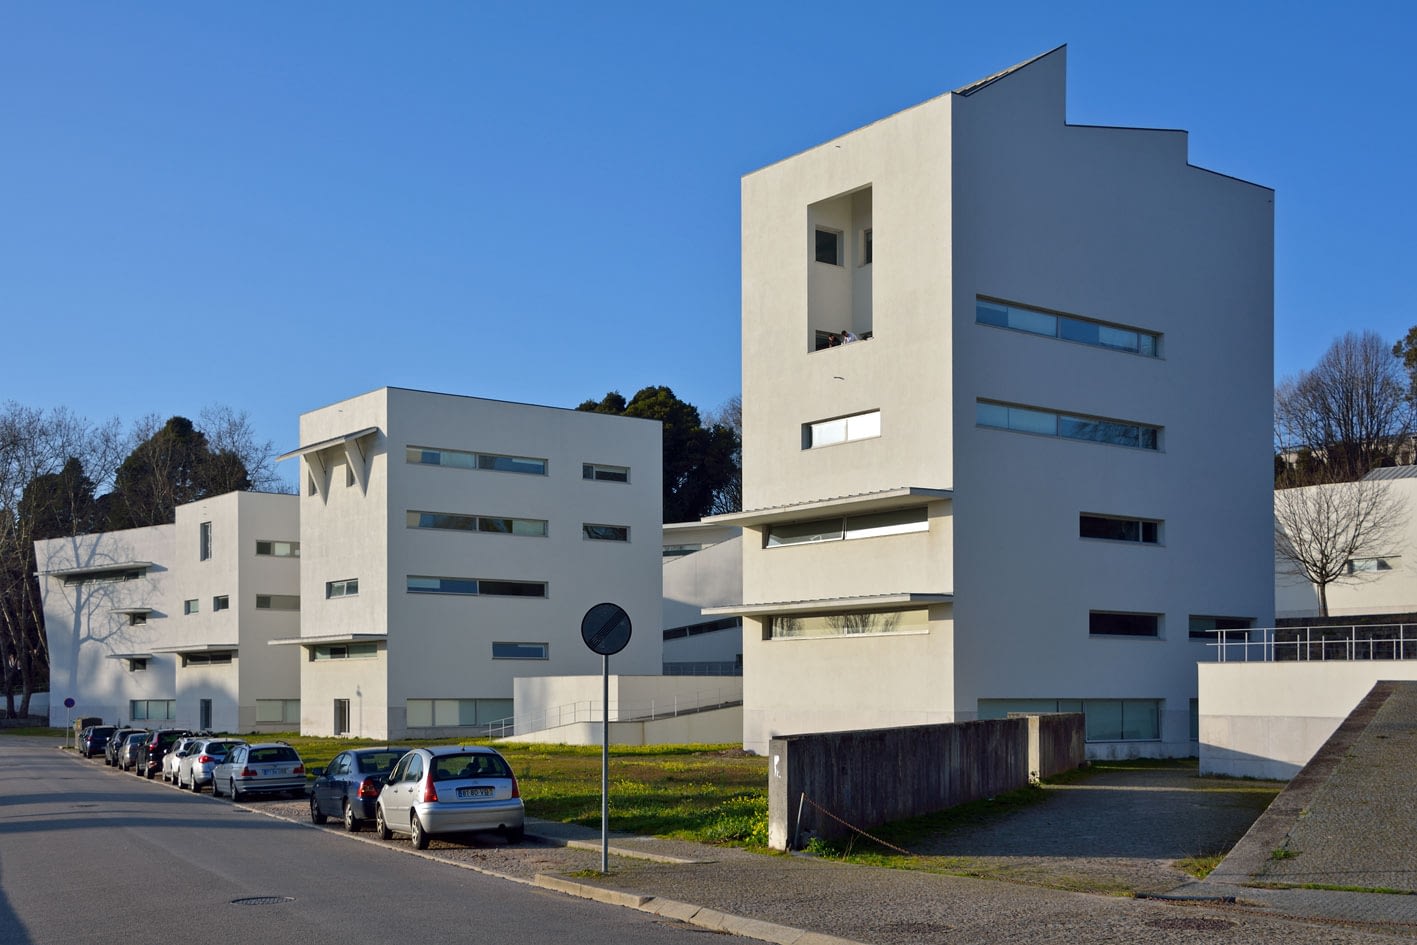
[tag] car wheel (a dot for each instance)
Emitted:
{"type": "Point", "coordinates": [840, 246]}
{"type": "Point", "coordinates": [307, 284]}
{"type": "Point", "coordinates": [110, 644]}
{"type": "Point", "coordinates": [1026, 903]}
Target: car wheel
{"type": "Point", "coordinates": [235, 791]}
{"type": "Point", "coordinates": [216, 790]}
{"type": "Point", "coordinates": [196, 788]}
{"type": "Point", "coordinates": [315, 816]}
{"type": "Point", "coordinates": [351, 822]}
{"type": "Point", "coordinates": [516, 834]}
{"type": "Point", "coordinates": [381, 828]}
{"type": "Point", "coordinates": [418, 834]}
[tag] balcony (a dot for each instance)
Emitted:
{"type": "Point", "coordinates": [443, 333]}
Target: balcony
{"type": "Point", "coordinates": [1393, 641]}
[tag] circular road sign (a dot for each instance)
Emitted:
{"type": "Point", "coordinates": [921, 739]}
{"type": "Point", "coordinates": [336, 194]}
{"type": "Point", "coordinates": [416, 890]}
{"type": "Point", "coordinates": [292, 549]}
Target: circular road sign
{"type": "Point", "coordinates": [68, 703]}
{"type": "Point", "coordinates": [605, 628]}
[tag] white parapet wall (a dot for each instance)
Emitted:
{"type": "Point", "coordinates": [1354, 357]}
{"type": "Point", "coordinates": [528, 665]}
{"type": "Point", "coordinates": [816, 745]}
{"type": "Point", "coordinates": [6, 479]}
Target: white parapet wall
{"type": "Point", "coordinates": [1266, 720]}
{"type": "Point", "coordinates": [643, 709]}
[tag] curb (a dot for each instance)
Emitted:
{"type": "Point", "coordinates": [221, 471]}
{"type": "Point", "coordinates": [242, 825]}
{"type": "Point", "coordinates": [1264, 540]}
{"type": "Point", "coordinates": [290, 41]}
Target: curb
{"type": "Point", "coordinates": [690, 914]}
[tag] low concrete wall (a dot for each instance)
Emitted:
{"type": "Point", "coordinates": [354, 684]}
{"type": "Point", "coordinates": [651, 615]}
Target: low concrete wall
{"type": "Point", "coordinates": [870, 777]}
{"type": "Point", "coordinates": [1266, 720]}
{"type": "Point", "coordinates": [711, 727]}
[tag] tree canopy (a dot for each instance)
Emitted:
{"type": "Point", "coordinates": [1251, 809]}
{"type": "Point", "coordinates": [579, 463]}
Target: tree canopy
{"type": "Point", "coordinates": [700, 462]}
{"type": "Point", "coordinates": [171, 467]}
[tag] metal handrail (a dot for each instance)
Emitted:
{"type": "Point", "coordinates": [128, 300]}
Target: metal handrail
{"type": "Point", "coordinates": [1393, 641]}
{"type": "Point", "coordinates": [587, 710]}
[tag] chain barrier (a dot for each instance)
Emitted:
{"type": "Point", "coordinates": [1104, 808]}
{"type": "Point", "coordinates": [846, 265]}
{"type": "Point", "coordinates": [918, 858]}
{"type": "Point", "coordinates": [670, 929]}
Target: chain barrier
{"type": "Point", "coordinates": [849, 826]}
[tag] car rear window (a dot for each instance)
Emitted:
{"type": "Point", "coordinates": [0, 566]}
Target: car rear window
{"type": "Point", "coordinates": [265, 755]}
{"type": "Point", "coordinates": [451, 767]}
{"type": "Point", "coordinates": [380, 762]}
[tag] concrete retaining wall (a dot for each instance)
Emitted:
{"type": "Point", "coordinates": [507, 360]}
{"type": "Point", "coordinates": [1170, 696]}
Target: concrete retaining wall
{"type": "Point", "coordinates": [870, 777]}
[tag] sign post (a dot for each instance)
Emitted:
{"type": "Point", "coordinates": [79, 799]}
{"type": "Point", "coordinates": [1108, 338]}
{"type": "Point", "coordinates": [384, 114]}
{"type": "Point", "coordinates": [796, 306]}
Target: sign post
{"type": "Point", "coordinates": [605, 628]}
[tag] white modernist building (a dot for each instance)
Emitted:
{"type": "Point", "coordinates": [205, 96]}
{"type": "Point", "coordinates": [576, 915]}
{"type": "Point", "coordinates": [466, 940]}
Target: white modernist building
{"type": "Point", "coordinates": [1026, 468]}
{"type": "Point", "coordinates": [168, 625]}
{"type": "Point", "coordinates": [450, 544]}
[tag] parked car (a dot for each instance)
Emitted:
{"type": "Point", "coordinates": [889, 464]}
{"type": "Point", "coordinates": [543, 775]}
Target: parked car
{"type": "Point", "coordinates": [348, 787]}
{"type": "Point", "coordinates": [115, 745]}
{"type": "Point", "coordinates": [260, 768]}
{"type": "Point", "coordinates": [151, 752]}
{"type": "Point", "coordinates": [94, 739]}
{"type": "Point", "coordinates": [128, 754]}
{"type": "Point", "coordinates": [450, 789]}
{"type": "Point", "coordinates": [174, 757]}
{"type": "Point", "coordinates": [195, 768]}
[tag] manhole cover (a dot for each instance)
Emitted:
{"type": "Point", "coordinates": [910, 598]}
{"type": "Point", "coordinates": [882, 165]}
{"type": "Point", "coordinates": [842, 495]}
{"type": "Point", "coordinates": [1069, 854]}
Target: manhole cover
{"type": "Point", "coordinates": [1192, 924]}
{"type": "Point", "coordinates": [261, 900]}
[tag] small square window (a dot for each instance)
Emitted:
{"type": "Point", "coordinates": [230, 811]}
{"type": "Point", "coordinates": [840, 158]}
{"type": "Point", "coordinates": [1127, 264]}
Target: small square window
{"type": "Point", "coordinates": [189, 606]}
{"type": "Point", "coordinates": [222, 602]}
{"type": "Point", "coordinates": [866, 247]}
{"type": "Point", "coordinates": [828, 247]}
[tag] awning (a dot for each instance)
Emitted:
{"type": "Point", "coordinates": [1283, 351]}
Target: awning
{"type": "Point", "coordinates": [882, 501]}
{"type": "Point", "coordinates": [832, 605]}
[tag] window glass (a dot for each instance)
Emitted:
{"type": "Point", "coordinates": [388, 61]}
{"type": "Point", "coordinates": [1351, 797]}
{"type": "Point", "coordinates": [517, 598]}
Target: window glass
{"type": "Point", "coordinates": [512, 588]}
{"type": "Point", "coordinates": [520, 651]}
{"type": "Point", "coordinates": [895, 522]}
{"type": "Point", "coordinates": [277, 601]}
{"type": "Point", "coordinates": [204, 541]}
{"type": "Point", "coordinates": [1111, 528]}
{"type": "Point", "coordinates": [828, 247]}
{"type": "Point", "coordinates": [190, 606]}
{"type": "Point", "coordinates": [1048, 423]}
{"type": "Point", "coordinates": [221, 603]}
{"type": "Point", "coordinates": [842, 429]}
{"type": "Point", "coordinates": [419, 714]}
{"type": "Point", "coordinates": [799, 533]}
{"type": "Point", "coordinates": [441, 585]}
{"type": "Point", "coordinates": [605, 532]}
{"type": "Point", "coordinates": [278, 549]}
{"type": "Point", "coordinates": [1107, 623]}
{"type": "Point", "coordinates": [851, 624]}
{"type": "Point", "coordinates": [601, 473]}
{"type": "Point", "coordinates": [1067, 327]}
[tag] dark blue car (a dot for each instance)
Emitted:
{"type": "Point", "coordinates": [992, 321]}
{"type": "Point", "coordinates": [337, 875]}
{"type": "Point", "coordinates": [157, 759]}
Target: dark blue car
{"type": "Point", "coordinates": [348, 787]}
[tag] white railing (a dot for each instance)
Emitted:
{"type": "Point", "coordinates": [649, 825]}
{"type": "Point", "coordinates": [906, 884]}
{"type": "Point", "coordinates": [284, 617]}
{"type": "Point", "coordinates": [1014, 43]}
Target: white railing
{"type": "Point", "coordinates": [587, 710]}
{"type": "Point", "coordinates": [1393, 641]}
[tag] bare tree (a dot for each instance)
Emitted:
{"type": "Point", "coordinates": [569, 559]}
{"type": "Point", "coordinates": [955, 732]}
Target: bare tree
{"type": "Point", "coordinates": [729, 496]}
{"type": "Point", "coordinates": [1320, 530]}
{"type": "Point", "coordinates": [1348, 415]}
{"type": "Point", "coordinates": [230, 432]}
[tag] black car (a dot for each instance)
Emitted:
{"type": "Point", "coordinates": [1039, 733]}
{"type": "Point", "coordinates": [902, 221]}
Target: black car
{"type": "Point", "coordinates": [94, 739]}
{"type": "Point", "coordinates": [151, 752]}
{"type": "Point", "coordinates": [348, 787]}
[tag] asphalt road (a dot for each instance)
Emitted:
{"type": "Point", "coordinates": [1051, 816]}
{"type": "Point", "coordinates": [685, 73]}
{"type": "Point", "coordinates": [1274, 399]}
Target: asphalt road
{"type": "Point", "coordinates": [88, 854]}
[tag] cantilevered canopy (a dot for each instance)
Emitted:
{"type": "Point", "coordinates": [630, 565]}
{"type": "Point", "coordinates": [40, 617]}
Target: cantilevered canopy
{"type": "Point", "coordinates": [319, 458]}
{"type": "Point", "coordinates": [834, 605]}
{"type": "Point", "coordinates": [883, 501]}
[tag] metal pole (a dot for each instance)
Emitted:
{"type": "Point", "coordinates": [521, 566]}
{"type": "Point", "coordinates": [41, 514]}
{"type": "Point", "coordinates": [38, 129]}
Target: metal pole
{"type": "Point", "coordinates": [605, 764]}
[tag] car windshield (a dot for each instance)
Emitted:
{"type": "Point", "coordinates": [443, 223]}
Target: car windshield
{"type": "Point", "coordinates": [454, 767]}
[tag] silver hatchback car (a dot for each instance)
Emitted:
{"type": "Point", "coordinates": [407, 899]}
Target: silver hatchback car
{"type": "Point", "coordinates": [450, 789]}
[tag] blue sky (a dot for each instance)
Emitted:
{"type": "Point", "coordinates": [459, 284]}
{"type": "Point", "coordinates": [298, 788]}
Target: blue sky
{"type": "Point", "coordinates": [275, 206]}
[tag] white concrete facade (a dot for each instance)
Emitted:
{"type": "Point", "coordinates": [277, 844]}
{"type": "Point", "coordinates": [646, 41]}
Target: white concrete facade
{"type": "Point", "coordinates": [161, 625]}
{"type": "Point", "coordinates": [971, 535]}
{"type": "Point", "coordinates": [703, 567]}
{"type": "Point", "coordinates": [408, 651]}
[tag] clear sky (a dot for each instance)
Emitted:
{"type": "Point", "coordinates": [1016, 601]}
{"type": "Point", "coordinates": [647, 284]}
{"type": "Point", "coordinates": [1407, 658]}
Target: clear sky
{"type": "Point", "coordinates": [275, 206]}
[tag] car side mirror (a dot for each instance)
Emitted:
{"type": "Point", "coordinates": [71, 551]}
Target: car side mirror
{"type": "Point", "coordinates": [317, 772]}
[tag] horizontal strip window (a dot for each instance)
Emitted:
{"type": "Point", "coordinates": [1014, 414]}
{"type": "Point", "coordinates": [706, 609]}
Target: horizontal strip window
{"type": "Point", "coordinates": [450, 521]}
{"type": "Point", "coordinates": [1116, 528]}
{"type": "Point", "coordinates": [104, 577]}
{"type": "Point", "coordinates": [463, 459]}
{"type": "Point", "coordinates": [711, 626]}
{"type": "Point", "coordinates": [599, 472]}
{"type": "Point", "coordinates": [152, 710]}
{"type": "Point", "coordinates": [474, 587]}
{"type": "Point", "coordinates": [1107, 720]}
{"type": "Point", "coordinates": [285, 711]}
{"type": "Point", "coordinates": [858, 426]}
{"type": "Point", "coordinates": [521, 651]}
{"type": "Point", "coordinates": [346, 588]}
{"type": "Point", "coordinates": [1068, 426]}
{"type": "Point", "coordinates": [849, 625]}
{"type": "Point", "coordinates": [1067, 327]}
{"type": "Point", "coordinates": [451, 713]}
{"type": "Point", "coordinates": [277, 601]}
{"type": "Point", "coordinates": [1214, 628]}
{"type": "Point", "coordinates": [278, 549]}
{"type": "Point", "coordinates": [873, 525]}
{"type": "Point", "coordinates": [1372, 565]}
{"type": "Point", "coordinates": [605, 532]}
{"type": "Point", "coordinates": [1106, 623]}
{"type": "Point", "coordinates": [344, 651]}
{"type": "Point", "coordinates": [206, 659]}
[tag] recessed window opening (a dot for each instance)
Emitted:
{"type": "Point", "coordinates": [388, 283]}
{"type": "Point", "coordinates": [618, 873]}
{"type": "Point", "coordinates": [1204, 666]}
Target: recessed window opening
{"type": "Point", "coordinates": [848, 624]}
{"type": "Point", "coordinates": [1109, 623]}
{"type": "Point", "coordinates": [190, 607]}
{"type": "Point", "coordinates": [278, 549]}
{"type": "Point", "coordinates": [1118, 528]}
{"type": "Point", "coordinates": [1067, 327]}
{"type": "Point", "coordinates": [206, 659]}
{"type": "Point", "coordinates": [599, 472]}
{"type": "Point", "coordinates": [204, 541]}
{"type": "Point", "coordinates": [474, 587]}
{"type": "Point", "coordinates": [999, 416]}
{"type": "Point", "coordinates": [277, 601]}
{"type": "Point", "coordinates": [349, 587]}
{"type": "Point", "coordinates": [861, 426]}
{"type": "Point", "coordinates": [520, 651]}
{"type": "Point", "coordinates": [1371, 565]}
{"type": "Point", "coordinates": [605, 532]}
{"type": "Point", "coordinates": [866, 247]}
{"type": "Point", "coordinates": [1217, 629]}
{"type": "Point", "coordinates": [221, 602]}
{"type": "Point", "coordinates": [117, 576]}
{"type": "Point", "coordinates": [828, 245]}
{"type": "Point", "coordinates": [846, 528]}
{"type": "Point", "coordinates": [344, 651]}
{"type": "Point", "coordinates": [453, 521]}
{"type": "Point", "coordinates": [467, 459]}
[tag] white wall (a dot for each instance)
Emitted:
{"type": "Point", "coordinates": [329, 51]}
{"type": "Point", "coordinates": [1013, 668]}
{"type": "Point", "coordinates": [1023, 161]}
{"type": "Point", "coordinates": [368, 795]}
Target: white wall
{"type": "Point", "coordinates": [1266, 720]}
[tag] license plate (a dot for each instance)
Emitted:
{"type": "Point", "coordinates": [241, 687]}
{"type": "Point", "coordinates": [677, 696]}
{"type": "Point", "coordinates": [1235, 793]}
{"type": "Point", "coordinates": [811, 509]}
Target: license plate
{"type": "Point", "coordinates": [271, 772]}
{"type": "Point", "coordinates": [474, 792]}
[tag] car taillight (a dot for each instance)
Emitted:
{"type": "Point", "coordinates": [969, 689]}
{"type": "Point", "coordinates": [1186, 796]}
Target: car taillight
{"type": "Point", "coordinates": [299, 769]}
{"type": "Point", "coordinates": [204, 759]}
{"type": "Point", "coordinates": [369, 787]}
{"type": "Point", "coordinates": [247, 773]}
{"type": "Point", "coordinates": [516, 791]}
{"type": "Point", "coordinates": [430, 793]}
